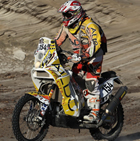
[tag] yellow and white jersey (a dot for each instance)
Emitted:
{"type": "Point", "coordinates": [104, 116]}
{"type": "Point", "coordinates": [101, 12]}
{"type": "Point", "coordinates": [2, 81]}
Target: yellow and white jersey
{"type": "Point", "coordinates": [87, 38]}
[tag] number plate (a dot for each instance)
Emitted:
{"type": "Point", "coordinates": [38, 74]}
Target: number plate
{"type": "Point", "coordinates": [105, 90]}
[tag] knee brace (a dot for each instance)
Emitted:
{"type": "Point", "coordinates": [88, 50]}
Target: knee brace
{"type": "Point", "coordinates": [90, 85]}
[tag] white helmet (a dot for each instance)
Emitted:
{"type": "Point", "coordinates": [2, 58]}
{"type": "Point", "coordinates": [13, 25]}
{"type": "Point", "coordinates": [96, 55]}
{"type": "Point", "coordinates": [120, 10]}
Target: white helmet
{"type": "Point", "coordinates": [71, 11]}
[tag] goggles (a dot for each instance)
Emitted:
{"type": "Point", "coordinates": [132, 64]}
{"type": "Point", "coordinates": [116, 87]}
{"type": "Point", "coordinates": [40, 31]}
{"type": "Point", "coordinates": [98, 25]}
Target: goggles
{"type": "Point", "coordinates": [68, 15]}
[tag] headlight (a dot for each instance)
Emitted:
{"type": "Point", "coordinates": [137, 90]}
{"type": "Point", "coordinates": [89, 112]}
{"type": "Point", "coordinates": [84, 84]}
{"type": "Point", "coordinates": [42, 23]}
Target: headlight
{"type": "Point", "coordinates": [40, 55]}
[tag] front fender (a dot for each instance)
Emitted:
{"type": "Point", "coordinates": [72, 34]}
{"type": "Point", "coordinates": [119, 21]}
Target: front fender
{"type": "Point", "coordinates": [42, 98]}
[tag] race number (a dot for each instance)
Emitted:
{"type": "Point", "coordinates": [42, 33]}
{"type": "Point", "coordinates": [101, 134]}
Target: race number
{"type": "Point", "coordinates": [107, 87]}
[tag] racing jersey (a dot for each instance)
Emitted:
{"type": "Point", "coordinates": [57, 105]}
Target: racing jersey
{"type": "Point", "coordinates": [88, 40]}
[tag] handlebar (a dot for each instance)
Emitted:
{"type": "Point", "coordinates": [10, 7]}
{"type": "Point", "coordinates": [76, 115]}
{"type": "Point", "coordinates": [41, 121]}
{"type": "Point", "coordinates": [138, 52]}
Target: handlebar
{"type": "Point", "coordinates": [68, 52]}
{"type": "Point", "coordinates": [84, 61]}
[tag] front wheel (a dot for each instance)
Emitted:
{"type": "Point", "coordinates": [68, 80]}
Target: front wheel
{"type": "Point", "coordinates": [112, 126]}
{"type": "Point", "coordinates": [25, 125]}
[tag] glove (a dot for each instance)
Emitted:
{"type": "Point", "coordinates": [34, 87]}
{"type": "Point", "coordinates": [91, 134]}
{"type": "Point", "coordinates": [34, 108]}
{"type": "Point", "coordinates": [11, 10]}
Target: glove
{"type": "Point", "coordinates": [75, 58]}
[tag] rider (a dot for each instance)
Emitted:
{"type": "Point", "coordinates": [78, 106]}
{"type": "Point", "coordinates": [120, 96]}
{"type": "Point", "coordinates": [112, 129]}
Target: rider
{"type": "Point", "coordinates": [89, 42]}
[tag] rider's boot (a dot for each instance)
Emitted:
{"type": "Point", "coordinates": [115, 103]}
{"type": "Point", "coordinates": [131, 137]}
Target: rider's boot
{"type": "Point", "coordinates": [94, 104]}
{"type": "Point", "coordinates": [92, 94]}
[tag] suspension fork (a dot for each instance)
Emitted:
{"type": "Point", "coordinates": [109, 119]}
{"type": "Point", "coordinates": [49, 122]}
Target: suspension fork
{"type": "Point", "coordinates": [44, 107]}
{"type": "Point", "coordinates": [54, 90]}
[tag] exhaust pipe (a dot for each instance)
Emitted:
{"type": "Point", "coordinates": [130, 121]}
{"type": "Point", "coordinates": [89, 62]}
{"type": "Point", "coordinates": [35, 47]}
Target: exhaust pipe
{"type": "Point", "coordinates": [114, 103]}
{"type": "Point", "coordinates": [116, 100]}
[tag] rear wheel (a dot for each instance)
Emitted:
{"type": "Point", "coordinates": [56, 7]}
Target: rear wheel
{"type": "Point", "coordinates": [26, 125]}
{"type": "Point", "coordinates": [112, 126]}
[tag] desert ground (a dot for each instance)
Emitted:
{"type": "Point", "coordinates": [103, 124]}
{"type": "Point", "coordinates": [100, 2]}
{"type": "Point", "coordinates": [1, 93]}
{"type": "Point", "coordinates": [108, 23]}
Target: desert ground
{"type": "Point", "coordinates": [23, 22]}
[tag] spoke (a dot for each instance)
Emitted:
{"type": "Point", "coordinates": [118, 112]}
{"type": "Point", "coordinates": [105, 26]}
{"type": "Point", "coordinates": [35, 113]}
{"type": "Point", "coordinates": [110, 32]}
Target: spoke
{"type": "Point", "coordinates": [26, 108]}
{"type": "Point", "coordinates": [28, 134]}
{"type": "Point", "coordinates": [108, 126]}
{"type": "Point", "coordinates": [28, 125]}
{"type": "Point", "coordinates": [31, 136]}
{"type": "Point", "coordinates": [22, 127]}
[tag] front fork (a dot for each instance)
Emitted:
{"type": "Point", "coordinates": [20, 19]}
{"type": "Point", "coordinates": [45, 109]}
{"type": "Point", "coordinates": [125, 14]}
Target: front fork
{"type": "Point", "coordinates": [44, 106]}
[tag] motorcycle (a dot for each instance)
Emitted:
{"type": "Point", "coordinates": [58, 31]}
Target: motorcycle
{"type": "Point", "coordinates": [59, 101]}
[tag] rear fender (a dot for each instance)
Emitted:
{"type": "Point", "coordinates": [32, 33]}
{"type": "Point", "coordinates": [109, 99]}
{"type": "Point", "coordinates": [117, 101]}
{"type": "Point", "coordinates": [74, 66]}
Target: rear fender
{"type": "Point", "coordinates": [106, 88]}
{"type": "Point", "coordinates": [118, 81]}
